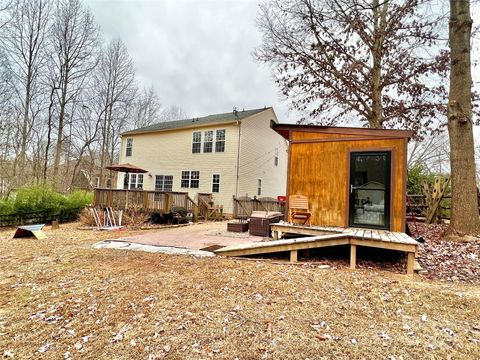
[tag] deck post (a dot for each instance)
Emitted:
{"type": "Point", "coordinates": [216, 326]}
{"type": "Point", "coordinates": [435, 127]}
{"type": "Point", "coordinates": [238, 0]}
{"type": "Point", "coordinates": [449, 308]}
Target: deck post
{"type": "Point", "coordinates": [145, 200]}
{"type": "Point", "coordinates": [353, 256]}
{"type": "Point", "coordinates": [168, 203]}
{"type": "Point", "coordinates": [275, 235]}
{"type": "Point", "coordinates": [410, 262]}
{"type": "Point", "coordinates": [110, 198]}
{"type": "Point", "coordinates": [293, 256]}
{"type": "Point", "coordinates": [195, 212]}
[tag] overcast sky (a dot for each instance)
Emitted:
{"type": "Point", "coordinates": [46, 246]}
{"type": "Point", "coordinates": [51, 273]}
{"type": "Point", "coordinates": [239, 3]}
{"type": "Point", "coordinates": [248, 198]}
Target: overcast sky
{"type": "Point", "coordinates": [196, 53]}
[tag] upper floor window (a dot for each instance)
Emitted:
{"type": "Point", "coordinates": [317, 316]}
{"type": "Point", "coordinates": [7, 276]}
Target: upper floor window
{"type": "Point", "coordinates": [259, 187]}
{"type": "Point", "coordinates": [216, 183]}
{"type": "Point", "coordinates": [190, 179]}
{"type": "Point", "coordinates": [220, 141]}
{"type": "Point", "coordinates": [275, 159]}
{"type": "Point", "coordinates": [197, 142]}
{"type": "Point", "coordinates": [128, 151]}
{"type": "Point", "coordinates": [163, 182]}
{"type": "Point", "coordinates": [208, 142]}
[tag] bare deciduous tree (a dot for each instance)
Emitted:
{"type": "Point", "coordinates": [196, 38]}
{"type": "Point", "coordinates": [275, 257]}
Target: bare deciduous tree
{"type": "Point", "coordinates": [116, 90]}
{"type": "Point", "coordinates": [344, 60]}
{"type": "Point", "coordinates": [75, 43]}
{"type": "Point", "coordinates": [431, 152]}
{"type": "Point", "coordinates": [23, 42]}
{"type": "Point", "coordinates": [146, 109]}
{"type": "Point", "coordinates": [173, 112]}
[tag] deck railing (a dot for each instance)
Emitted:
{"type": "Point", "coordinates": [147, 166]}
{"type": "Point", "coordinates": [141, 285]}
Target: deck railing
{"type": "Point", "coordinates": [161, 202]}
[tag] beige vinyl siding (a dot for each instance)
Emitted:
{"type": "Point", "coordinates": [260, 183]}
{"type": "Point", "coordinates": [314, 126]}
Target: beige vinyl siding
{"type": "Point", "coordinates": [170, 153]}
{"type": "Point", "coordinates": [257, 152]}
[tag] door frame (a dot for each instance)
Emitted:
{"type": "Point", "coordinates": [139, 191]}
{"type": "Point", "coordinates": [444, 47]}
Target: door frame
{"type": "Point", "coordinates": [388, 198]}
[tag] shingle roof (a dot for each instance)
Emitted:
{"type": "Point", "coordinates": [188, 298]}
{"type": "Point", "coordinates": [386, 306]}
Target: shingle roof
{"type": "Point", "coordinates": [194, 122]}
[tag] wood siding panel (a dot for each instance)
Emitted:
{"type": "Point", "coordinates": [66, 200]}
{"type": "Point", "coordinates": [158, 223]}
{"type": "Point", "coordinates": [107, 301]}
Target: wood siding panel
{"type": "Point", "coordinates": [299, 135]}
{"type": "Point", "coordinates": [321, 171]}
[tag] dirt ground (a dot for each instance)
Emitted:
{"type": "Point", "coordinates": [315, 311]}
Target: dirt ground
{"type": "Point", "coordinates": [61, 299]}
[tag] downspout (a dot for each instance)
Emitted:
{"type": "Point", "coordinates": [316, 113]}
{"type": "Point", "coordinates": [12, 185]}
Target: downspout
{"type": "Point", "coordinates": [239, 123]}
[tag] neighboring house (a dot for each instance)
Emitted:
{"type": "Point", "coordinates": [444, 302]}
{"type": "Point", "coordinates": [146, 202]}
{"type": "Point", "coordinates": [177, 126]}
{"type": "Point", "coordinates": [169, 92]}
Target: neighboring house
{"type": "Point", "coordinates": [229, 154]}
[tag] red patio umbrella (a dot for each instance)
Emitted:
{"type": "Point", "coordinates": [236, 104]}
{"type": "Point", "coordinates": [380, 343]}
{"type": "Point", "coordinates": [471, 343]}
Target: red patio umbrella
{"type": "Point", "coordinates": [127, 169]}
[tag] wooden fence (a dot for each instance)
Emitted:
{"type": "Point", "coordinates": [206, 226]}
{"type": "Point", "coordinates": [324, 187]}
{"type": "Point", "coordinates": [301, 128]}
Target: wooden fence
{"type": "Point", "coordinates": [243, 206]}
{"type": "Point", "coordinates": [417, 205]}
{"type": "Point", "coordinates": [160, 202]}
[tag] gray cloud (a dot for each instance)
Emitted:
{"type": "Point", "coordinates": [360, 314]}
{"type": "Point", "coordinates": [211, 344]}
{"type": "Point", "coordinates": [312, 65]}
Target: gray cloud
{"type": "Point", "coordinates": [197, 54]}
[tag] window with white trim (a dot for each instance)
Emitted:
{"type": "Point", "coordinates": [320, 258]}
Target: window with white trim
{"type": "Point", "coordinates": [216, 183]}
{"type": "Point", "coordinates": [208, 141]}
{"type": "Point", "coordinates": [275, 159]}
{"type": "Point", "coordinates": [220, 141]}
{"type": "Point", "coordinates": [197, 142]}
{"type": "Point", "coordinates": [136, 181]}
{"type": "Point", "coordinates": [129, 147]}
{"type": "Point", "coordinates": [190, 179]}
{"type": "Point", "coordinates": [259, 187]}
{"type": "Point", "coordinates": [163, 182]}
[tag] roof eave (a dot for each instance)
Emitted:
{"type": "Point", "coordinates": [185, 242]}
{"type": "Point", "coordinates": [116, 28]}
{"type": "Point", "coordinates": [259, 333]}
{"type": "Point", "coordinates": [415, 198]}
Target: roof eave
{"type": "Point", "coordinates": [193, 126]}
{"type": "Point", "coordinates": [285, 129]}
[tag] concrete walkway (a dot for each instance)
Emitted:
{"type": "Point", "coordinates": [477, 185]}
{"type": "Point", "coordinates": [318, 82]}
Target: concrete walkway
{"type": "Point", "coordinates": [123, 245]}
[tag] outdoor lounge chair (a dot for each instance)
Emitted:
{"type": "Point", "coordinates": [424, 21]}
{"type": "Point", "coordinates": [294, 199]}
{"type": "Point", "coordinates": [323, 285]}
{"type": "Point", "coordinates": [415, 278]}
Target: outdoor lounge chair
{"type": "Point", "coordinates": [298, 209]}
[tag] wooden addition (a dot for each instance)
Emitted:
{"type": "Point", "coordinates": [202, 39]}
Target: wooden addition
{"type": "Point", "coordinates": [353, 177]}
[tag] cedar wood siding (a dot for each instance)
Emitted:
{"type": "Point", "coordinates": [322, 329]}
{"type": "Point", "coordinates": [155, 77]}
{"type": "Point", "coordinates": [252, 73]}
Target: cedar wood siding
{"type": "Point", "coordinates": [257, 150]}
{"type": "Point", "coordinates": [320, 170]}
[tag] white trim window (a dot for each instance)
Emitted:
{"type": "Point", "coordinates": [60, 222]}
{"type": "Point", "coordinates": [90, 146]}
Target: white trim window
{"type": "Point", "coordinates": [220, 141]}
{"type": "Point", "coordinates": [136, 181]}
{"type": "Point", "coordinates": [208, 141]}
{"type": "Point", "coordinates": [196, 142]}
{"type": "Point", "coordinates": [190, 179]}
{"type": "Point", "coordinates": [259, 187]}
{"type": "Point", "coordinates": [129, 147]}
{"type": "Point", "coordinates": [216, 183]}
{"type": "Point", "coordinates": [275, 159]}
{"type": "Point", "coordinates": [163, 182]}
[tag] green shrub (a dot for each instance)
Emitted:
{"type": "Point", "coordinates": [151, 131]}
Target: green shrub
{"type": "Point", "coordinates": [6, 207]}
{"type": "Point", "coordinates": [416, 175]}
{"type": "Point", "coordinates": [38, 198]}
{"type": "Point", "coordinates": [44, 200]}
{"type": "Point", "coordinates": [79, 198]}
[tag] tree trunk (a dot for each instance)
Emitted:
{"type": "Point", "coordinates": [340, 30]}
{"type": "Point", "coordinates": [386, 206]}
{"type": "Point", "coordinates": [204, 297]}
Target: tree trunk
{"type": "Point", "coordinates": [49, 135]}
{"type": "Point", "coordinates": [465, 221]}
{"type": "Point", "coordinates": [375, 120]}
{"type": "Point", "coordinates": [61, 124]}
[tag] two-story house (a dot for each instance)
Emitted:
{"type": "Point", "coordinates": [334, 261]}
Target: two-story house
{"type": "Point", "coordinates": [229, 154]}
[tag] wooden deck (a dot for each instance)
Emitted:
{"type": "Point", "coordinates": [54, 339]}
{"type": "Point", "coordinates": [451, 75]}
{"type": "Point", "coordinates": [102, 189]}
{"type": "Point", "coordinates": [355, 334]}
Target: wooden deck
{"type": "Point", "coordinates": [318, 237]}
{"type": "Point", "coordinates": [154, 201]}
